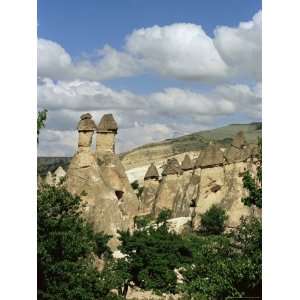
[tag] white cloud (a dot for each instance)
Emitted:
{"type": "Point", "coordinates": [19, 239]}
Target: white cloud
{"type": "Point", "coordinates": [57, 142]}
{"type": "Point", "coordinates": [182, 51]}
{"type": "Point", "coordinates": [54, 62]}
{"type": "Point", "coordinates": [141, 118]}
{"type": "Point", "coordinates": [241, 47]}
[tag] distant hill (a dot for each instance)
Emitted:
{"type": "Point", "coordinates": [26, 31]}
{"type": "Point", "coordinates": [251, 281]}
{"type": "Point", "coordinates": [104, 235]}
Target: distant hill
{"type": "Point", "coordinates": [161, 150]}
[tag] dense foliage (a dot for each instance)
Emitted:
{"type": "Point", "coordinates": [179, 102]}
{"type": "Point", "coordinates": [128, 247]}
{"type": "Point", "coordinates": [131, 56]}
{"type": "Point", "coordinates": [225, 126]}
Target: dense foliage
{"type": "Point", "coordinates": [152, 254]}
{"type": "Point", "coordinates": [66, 247]}
{"type": "Point", "coordinates": [225, 265]}
{"type": "Point", "coordinates": [213, 221]}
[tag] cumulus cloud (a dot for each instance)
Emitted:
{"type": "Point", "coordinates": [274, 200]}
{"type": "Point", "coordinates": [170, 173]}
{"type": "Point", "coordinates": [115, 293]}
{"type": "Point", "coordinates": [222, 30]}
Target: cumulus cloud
{"type": "Point", "coordinates": [180, 50]}
{"type": "Point", "coordinates": [54, 62]}
{"type": "Point", "coordinates": [142, 118]}
{"type": "Point", "coordinates": [241, 47]}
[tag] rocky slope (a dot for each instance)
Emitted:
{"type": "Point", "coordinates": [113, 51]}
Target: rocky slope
{"type": "Point", "coordinates": [188, 143]}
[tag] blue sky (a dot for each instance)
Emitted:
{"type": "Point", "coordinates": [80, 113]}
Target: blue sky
{"type": "Point", "coordinates": [126, 51]}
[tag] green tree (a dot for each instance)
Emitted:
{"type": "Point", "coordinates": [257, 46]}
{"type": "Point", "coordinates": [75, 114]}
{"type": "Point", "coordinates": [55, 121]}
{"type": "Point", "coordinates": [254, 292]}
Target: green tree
{"type": "Point", "coordinates": [41, 121]}
{"type": "Point", "coordinates": [66, 247]}
{"type": "Point", "coordinates": [152, 254]}
{"type": "Point", "coordinates": [254, 183]}
{"type": "Point", "coordinates": [225, 265]}
{"type": "Point", "coordinates": [213, 221]}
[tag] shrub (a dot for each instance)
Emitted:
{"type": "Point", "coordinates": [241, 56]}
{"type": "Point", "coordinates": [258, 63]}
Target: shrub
{"type": "Point", "coordinates": [213, 221]}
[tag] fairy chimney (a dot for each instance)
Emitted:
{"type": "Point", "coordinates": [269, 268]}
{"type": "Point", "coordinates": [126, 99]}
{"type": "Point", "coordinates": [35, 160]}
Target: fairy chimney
{"type": "Point", "coordinates": [211, 156]}
{"type": "Point", "coordinates": [187, 163]}
{"type": "Point", "coordinates": [172, 168]}
{"type": "Point", "coordinates": [151, 173]}
{"type": "Point", "coordinates": [86, 128]}
{"type": "Point", "coordinates": [106, 134]}
{"type": "Point", "coordinates": [151, 185]}
{"type": "Point", "coordinates": [239, 140]}
{"type": "Point", "coordinates": [59, 174]}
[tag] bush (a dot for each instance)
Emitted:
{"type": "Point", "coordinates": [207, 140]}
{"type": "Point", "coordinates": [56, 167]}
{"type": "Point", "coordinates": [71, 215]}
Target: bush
{"type": "Point", "coordinates": [227, 265]}
{"type": "Point", "coordinates": [152, 254]}
{"type": "Point", "coordinates": [213, 221]}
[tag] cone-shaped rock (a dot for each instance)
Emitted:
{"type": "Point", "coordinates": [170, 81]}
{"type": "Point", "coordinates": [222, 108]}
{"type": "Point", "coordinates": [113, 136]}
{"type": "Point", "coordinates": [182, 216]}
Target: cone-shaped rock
{"type": "Point", "coordinates": [107, 123]}
{"type": "Point", "coordinates": [172, 168]}
{"type": "Point", "coordinates": [187, 163]}
{"type": "Point", "coordinates": [59, 173]}
{"type": "Point", "coordinates": [210, 157]}
{"type": "Point", "coordinates": [151, 173]}
{"type": "Point", "coordinates": [238, 151]}
{"type": "Point", "coordinates": [239, 140]}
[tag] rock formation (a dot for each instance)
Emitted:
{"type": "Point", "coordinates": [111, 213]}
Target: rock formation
{"type": "Point", "coordinates": [216, 177]}
{"type": "Point", "coordinates": [151, 183]}
{"type": "Point", "coordinates": [49, 178]}
{"type": "Point", "coordinates": [59, 174]}
{"type": "Point", "coordinates": [187, 163]}
{"type": "Point", "coordinates": [100, 180]}
{"type": "Point", "coordinates": [170, 188]}
{"type": "Point", "coordinates": [188, 189]}
{"type": "Point", "coordinates": [106, 134]}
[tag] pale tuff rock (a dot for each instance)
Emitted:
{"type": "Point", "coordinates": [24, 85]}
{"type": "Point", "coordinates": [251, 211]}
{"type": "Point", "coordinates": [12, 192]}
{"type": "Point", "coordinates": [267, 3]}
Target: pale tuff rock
{"type": "Point", "coordinates": [150, 189]}
{"type": "Point", "coordinates": [107, 124]}
{"type": "Point", "coordinates": [49, 179]}
{"type": "Point", "coordinates": [102, 209]}
{"type": "Point", "coordinates": [180, 225]}
{"type": "Point", "coordinates": [210, 157]}
{"type": "Point", "coordinates": [209, 178]}
{"type": "Point", "coordinates": [100, 180]}
{"type": "Point", "coordinates": [187, 163]}
{"type": "Point", "coordinates": [59, 174]}
{"type": "Point", "coordinates": [169, 192]}
{"type": "Point", "coordinates": [106, 134]}
{"type": "Point", "coordinates": [112, 169]}
{"type": "Point", "coordinates": [239, 140]}
{"type": "Point", "coordinates": [151, 173]}
{"type": "Point", "coordinates": [148, 195]}
{"type": "Point", "coordinates": [86, 128]}
{"type": "Point", "coordinates": [171, 188]}
{"type": "Point", "coordinates": [114, 175]}
{"type": "Point", "coordinates": [172, 167]}
{"type": "Point", "coordinates": [239, 151]}
{"type": "Point", "coordinates": [213, 181]}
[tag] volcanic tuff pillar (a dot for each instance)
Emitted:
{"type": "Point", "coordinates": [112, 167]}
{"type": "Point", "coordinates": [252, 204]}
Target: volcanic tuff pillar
{"type": "Point", "coordinates": [86, 128]}
{"type": "Point", "coordinates": [106, 134]}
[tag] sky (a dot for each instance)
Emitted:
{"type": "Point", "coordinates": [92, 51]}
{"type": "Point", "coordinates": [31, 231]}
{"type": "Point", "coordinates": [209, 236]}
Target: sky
{"type": "Point", "coordinates": [163, 68]}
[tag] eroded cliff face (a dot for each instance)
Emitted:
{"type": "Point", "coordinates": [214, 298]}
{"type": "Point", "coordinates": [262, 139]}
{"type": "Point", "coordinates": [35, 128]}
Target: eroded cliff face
{"type": "Point", "coordinates": [188, 188]}
{"type": "Point", "coordinates": [217, 178]}
{"type": "Point", "coordinates": [104, 210]}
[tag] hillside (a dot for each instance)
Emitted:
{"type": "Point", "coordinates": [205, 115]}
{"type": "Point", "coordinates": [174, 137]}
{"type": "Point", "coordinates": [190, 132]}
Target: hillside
{"type": "Point", "coordinates": [188, 143]}
{"type": "Point", "coordinates": [154, 152]}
